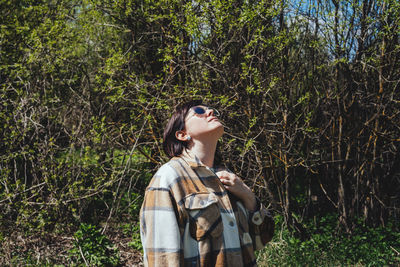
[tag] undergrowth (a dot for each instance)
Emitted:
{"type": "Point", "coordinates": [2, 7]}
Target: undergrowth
{"type": "Point", "coordinates": [326, 245]}
{"type": "Point", "coordinates": [93, 248]}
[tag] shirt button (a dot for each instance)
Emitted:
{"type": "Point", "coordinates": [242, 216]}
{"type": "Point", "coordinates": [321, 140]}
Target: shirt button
{"type": "Point", "coordinates": [231, 223]}
{"type": "Point", "coordinates": [202, 202]}
{"type": "Point", "coordinates": [257, 218]}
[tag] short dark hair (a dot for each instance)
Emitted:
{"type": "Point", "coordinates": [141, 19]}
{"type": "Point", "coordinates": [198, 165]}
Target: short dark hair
{"type": "Point", "coordinates": [171, 145]}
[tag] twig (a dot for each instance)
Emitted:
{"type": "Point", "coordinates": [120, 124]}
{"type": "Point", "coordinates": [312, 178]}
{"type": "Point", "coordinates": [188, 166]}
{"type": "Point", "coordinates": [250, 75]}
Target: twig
{"type": "Point", "coordinates": [80, 250]}
{"type": "Point", "coordinates": [123, 173]}
{"type": "Point", "coordinates": [398, 253]}
{"type": "Point", "coordinates": [26, 190]}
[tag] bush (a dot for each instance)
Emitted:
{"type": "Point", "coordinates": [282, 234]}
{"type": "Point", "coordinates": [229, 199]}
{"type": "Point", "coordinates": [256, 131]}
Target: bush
{"type": "Point", "coordinates": [327, 246]}
{"type": "Point", "coordinates": [133, 231]}
{"type": "Point", "coordinates": [93, 248]}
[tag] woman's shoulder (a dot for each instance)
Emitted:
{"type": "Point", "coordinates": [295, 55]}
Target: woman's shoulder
{"type": "Point", "coordinates": [166, 174]}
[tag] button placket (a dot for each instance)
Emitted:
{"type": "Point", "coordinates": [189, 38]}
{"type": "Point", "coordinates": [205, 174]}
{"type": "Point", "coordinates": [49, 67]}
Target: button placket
{"type": "Point", "coordinates": [224, 200]}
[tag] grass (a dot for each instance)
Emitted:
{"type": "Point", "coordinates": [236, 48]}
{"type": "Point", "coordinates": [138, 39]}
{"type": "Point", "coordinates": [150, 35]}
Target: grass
{"type": "Point", "coordinates": [327, 246]}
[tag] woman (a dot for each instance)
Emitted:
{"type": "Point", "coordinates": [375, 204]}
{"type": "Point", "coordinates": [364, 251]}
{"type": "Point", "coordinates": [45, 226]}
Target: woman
{"type": "Point", "coordinates": [196, 214]}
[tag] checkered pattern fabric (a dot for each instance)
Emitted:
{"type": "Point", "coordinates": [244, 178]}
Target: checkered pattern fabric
{"type": "Point", "coordinates": [188, 218]}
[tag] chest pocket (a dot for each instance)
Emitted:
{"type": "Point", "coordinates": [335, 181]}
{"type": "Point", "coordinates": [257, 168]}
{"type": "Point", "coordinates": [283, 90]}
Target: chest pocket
{"type": "Point", "coordinates": [204, 215]}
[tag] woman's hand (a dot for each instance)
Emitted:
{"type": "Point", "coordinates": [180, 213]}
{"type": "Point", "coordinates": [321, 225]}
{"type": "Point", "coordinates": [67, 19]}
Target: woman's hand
{"type": "Point", "coordinates": [235, 185]}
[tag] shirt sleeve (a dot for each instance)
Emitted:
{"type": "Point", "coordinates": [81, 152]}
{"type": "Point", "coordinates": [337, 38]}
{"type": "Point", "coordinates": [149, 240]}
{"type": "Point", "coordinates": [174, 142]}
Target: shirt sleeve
{"type": "Point", "coordinates": [261, 225]}
{"type": "Point", "coordinates": [159, 227]}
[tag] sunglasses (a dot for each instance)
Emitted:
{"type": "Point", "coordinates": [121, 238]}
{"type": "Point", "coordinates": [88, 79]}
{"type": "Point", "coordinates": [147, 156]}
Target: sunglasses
{"type": "Point", "coordinates": [198, 110]}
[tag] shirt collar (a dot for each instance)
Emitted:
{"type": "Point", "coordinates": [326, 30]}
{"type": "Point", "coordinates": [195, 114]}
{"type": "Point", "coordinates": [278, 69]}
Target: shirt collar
{"type": "Point", "coordinates": [192, 160]}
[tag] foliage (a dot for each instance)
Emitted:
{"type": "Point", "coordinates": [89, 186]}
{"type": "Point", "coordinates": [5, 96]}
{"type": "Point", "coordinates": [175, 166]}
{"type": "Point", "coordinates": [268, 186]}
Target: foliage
{"type": "Point", "coordinates": [326, 245]}
{"type": "Point", "coordinates": [133, 230]}
{"type": "Point", "coordinates": [308, 92]}
{"type": "Point", "coordinates": [93, 248]}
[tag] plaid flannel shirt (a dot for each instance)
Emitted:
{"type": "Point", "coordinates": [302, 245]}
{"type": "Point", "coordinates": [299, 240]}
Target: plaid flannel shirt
{"type": "Point", "coordinates": [188, 218]}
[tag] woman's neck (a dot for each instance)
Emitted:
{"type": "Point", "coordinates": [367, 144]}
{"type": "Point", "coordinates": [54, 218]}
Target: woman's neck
{"type": "Point", "coordinates": [204, 151]}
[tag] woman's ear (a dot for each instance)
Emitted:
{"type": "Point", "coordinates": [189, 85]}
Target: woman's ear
{"type": "Point", "coordinates": [182, 136]}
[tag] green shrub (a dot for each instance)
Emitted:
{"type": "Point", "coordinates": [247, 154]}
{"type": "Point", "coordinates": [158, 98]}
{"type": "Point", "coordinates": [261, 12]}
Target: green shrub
{"type": "Point", "coordinates": [93, 248]}
{"type": "Point", "coordinates": [133, 230]}
{"type": "Point", "coordinates": [326, 246]}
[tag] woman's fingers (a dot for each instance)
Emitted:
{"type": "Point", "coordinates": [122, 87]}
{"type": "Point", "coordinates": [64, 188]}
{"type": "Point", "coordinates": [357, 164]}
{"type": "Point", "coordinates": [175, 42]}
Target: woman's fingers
{"type": "Point", "coordinates": [226, 181]}
{"type": "Point", "coordinates": [235, 185]}
{"type": "Point", "coordinates": [227, 176]}
{"type": "Point", "coordinates": [232, 182]}
{"type": "Point", "coordinates": [223, 174]}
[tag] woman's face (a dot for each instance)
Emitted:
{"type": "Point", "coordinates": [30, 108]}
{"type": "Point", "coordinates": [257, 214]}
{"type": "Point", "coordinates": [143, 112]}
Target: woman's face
{"type": "Point", "coordinates": [201, 122]}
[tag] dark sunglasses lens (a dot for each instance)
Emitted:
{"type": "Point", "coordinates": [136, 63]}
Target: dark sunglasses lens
{"type": "Point", "coordinates": [215, 112]}
{"type": "Point", "coordinates": [199, 110]}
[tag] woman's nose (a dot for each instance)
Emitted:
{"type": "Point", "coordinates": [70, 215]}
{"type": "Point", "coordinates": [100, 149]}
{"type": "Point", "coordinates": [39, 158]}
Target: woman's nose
{"type": "Point", "coordinates": [210, 111]}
